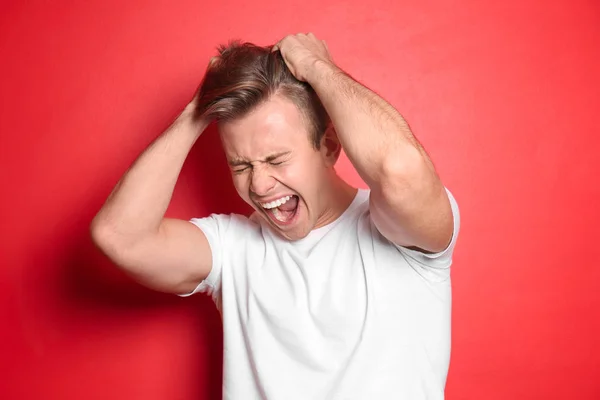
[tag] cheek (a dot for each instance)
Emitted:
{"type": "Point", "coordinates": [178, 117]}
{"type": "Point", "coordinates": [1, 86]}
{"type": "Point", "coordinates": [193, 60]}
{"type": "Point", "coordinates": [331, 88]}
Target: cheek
{"type": "Point", "coordinates": [290, 175]}
{"type": "Point", "coordinates": [298, 177]}
{"type": "Point", "coordinates": [306, 170]}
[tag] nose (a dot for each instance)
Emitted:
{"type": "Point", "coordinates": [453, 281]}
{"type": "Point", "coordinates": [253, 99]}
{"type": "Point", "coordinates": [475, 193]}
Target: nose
{"type": "Point", "coordinates": [261, 182]}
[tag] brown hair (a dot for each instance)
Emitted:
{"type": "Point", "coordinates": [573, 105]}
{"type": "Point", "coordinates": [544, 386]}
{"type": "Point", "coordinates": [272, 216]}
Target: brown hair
{"type": "Point", "coordinates": [245, 75]}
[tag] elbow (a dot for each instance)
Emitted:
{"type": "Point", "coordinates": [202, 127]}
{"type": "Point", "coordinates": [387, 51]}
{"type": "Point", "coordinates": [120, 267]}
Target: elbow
{"type": "Point", "coordinates": [110, 243]}
{"type": "Point", "coordinates": [106, 238]}
{"type": "Point", "coordinates": [103, 238]}
{"type": "Point", "coordinates": [100, 232]}
{"type": "Point", "coordinates": [403, 172]}
{"type": "Point", "coordinates": [97, 231]}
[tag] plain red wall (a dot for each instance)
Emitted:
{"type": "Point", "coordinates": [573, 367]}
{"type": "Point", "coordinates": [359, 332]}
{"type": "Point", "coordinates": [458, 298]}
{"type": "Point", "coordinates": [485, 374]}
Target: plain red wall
{"type": "Point", "coordinates": [504, 95]}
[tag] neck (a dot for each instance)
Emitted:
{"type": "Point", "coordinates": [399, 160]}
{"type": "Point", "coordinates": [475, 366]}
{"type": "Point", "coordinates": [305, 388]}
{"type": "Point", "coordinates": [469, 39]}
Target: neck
{"type": "Point", "coordinates": [335, 200]}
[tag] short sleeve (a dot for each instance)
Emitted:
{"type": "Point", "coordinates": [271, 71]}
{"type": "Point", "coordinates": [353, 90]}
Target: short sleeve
{"type": "Point", "coordinates": [216, 228]}
{"type": "Point", "coordinates": [435, 266]}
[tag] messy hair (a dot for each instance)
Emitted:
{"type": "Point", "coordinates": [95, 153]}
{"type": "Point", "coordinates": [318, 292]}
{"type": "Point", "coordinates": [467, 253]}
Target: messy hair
{"type": "Point", "coordinates": [245, 75]}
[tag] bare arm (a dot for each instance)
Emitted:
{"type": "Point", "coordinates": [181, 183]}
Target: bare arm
{"type": "Point", "coordinates": [409, 204]}
{"type": "Point", "coordinates": [164, 254]}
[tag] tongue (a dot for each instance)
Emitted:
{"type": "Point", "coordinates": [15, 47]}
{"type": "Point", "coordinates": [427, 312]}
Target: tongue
{"type": "Point", "coordinates": [290, 205]}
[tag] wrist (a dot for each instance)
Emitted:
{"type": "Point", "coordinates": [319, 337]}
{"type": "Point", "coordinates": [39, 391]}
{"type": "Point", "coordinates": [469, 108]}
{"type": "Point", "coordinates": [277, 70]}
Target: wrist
{"type": "Point", "coordinates": [189, 117]}
{"type": "Point", "coordinates": [321, 70]}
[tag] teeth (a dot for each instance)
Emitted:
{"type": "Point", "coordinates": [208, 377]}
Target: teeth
{"type": "Point", "coordinates": [277, 214]}
{"type": "Point", "coordinates": [276, 203]}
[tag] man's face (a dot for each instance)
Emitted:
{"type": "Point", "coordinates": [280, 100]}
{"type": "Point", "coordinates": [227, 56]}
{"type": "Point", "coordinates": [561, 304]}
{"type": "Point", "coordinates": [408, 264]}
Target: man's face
{"type": "Point", "coordinates": [276, 169]}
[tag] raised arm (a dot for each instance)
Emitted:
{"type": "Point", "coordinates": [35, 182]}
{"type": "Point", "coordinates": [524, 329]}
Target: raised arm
{"type": "Point", "coordinates": [164, 254]}
{"type": "Point", "coordinates": [409, 204]}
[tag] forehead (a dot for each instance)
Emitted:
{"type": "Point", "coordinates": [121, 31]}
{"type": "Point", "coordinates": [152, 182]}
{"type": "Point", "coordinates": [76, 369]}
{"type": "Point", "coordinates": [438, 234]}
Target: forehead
{"type": "Point", "coordinates": [274, 126]}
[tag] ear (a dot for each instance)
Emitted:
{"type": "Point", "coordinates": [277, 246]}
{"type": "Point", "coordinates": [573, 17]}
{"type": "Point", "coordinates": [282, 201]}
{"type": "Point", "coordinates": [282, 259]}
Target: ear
{"type": "Point", "coordinates": [330, 146]}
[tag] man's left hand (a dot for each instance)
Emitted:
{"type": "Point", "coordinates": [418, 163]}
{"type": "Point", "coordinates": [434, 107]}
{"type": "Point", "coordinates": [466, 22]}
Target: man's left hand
{"type": "Point", "coordinates": [301, 52]}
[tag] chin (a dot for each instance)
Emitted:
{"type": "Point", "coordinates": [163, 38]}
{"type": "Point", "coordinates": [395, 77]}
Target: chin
{"type": "Point", "coordinates": [292, 236]}
{"type": "Point", "coordinates": [295, 233]}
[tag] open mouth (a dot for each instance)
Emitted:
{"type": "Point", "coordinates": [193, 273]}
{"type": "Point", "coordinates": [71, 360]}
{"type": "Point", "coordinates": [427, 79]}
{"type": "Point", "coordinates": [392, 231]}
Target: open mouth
{"type": "Point", "coordinates": [282, 211]}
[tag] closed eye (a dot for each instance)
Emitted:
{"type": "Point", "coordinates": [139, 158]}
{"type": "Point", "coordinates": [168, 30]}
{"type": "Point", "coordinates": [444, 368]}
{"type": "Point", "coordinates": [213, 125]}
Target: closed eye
{"type": "Point", "coordinates": [278, 159]}
{"type": "Point", "coordinates": [240, 170]}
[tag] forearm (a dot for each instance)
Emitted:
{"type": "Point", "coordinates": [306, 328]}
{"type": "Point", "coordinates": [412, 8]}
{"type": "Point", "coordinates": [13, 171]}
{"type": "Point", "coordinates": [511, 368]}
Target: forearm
{"type": "Point", "coordinates": [408, 203]}
{"type": "Point", "coordinates": [375, 137]}
{"type": "Point", "coordinates": [140, 199]}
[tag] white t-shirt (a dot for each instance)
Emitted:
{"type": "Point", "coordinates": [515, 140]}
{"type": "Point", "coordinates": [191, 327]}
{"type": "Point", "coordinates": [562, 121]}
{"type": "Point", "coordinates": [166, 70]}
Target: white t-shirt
{"type": "Point", "coordinates": [341, 314]}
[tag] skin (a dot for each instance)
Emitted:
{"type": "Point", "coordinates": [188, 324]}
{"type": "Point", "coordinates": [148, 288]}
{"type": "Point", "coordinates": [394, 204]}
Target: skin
{"type": "Point", "coordinates": [408, 202]}
{"type": "Point", "coordinates": [271, 156]}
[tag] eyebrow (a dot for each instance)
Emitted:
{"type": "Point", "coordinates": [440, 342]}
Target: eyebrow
{"type": "Point", "coordinates": [236, 162]}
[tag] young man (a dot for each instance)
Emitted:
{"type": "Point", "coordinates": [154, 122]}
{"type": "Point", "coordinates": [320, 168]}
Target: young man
{"type": "Point", "coordinates": [326, 291]}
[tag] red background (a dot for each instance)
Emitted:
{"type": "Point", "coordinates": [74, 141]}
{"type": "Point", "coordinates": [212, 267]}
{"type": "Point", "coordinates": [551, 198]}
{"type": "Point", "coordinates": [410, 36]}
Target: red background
{"type": "Point", "coordinates": [504, 95]}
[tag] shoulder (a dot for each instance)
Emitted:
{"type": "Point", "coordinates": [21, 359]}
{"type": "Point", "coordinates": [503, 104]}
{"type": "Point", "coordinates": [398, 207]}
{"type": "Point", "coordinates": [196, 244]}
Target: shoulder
{"type": "Point", "coordinates": [413, 252]}
{"type": "Point", "coordinates": [442, 259]}
{"type": "Point", "coordinates": [226, 225]}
